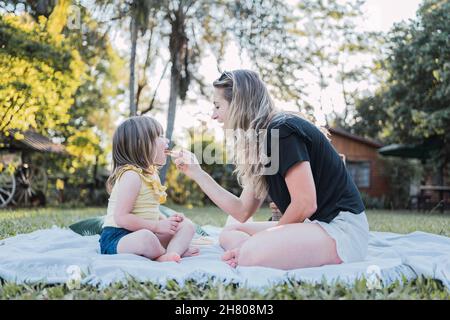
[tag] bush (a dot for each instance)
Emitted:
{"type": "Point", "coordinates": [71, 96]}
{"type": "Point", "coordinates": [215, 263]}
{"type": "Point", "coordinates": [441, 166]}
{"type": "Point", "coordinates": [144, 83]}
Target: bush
{"type": "Point", "coordinates": [401, 174]}
{"type": "Point", "coordinates": [372, 202]}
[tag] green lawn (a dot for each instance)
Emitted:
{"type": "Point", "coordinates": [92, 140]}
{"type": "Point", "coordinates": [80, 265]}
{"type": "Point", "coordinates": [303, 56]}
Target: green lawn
{"type": "Point", "coordinates": [24, 221]}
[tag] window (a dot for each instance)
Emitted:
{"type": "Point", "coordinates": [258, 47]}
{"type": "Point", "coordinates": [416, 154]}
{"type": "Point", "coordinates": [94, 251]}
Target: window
{"type": "Point", "coordinates": [360, 172]}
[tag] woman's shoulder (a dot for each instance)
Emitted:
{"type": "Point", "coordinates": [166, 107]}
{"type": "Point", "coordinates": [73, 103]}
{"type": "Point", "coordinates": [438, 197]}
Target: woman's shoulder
{"type": "Point", "coordinates": [287, 124]}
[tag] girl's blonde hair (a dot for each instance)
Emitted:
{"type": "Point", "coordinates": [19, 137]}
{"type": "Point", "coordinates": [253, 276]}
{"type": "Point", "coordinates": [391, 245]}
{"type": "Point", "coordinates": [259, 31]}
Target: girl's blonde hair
{"type": "Point", "coordinates": [251, 108]}
{"type": "Point", "coordinates": [134, 143]}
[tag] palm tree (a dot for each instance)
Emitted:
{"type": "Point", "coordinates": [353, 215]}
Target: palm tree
{"type": "Point", "coordinates": [139, 12]}
{"type": "Point", "coordinates": [190, 24]}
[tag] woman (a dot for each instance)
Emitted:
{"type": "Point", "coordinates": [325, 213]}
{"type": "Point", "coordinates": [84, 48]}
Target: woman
{"type": "Point", "coordinates": [323, 219]}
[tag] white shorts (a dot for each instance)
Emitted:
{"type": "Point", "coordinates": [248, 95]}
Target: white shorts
{"type": "Point", "coordinates": [351, 233]}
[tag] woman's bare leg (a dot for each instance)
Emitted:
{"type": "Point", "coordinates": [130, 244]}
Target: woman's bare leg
{"type": "Point", "coordinates": [287, 247]}
{"type": "Point", "coordinates": [179, 243]}
{"type": "Point", "coordinates": [233, 236]}
{"type": "Point", "coordinates": [143, 242]}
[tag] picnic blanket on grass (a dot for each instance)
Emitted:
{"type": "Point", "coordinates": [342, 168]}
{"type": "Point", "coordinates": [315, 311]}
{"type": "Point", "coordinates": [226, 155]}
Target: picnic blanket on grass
{"type": "Point", "coordinates": [45, 255]}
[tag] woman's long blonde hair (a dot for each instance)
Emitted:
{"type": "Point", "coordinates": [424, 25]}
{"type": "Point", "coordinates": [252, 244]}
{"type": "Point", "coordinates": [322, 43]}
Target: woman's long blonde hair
{"type": "Point", "coordinates": [251, 109]}
{"type": "Point", "coordinates": [134, 143]}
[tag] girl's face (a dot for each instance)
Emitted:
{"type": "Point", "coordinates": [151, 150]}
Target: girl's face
{"type": "Point", "coordinates": [221, 106]}
{"type": "Point", "coordinates": [162, 144]}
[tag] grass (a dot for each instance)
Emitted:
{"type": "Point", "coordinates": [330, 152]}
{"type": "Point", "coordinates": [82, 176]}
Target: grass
{"type": "Point", "coordinates": [28, 220]}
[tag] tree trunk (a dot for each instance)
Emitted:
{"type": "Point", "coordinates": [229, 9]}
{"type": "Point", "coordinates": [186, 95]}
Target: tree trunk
{"type": "Point", "coordinates": [134, 31]}
{"type": "Point", "coordinates": [176, 45]}
{"type": "Point", "coordinates": [174, 89]}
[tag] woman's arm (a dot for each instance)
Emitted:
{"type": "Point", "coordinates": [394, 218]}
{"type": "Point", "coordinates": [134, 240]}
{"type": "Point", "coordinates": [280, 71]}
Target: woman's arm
{"type": "Point", "coordinates": [241, 208]}
{"type": "Point", "coordinates": [300, 183]}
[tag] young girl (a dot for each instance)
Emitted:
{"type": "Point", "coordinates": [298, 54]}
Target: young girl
{"type": "Point", "coordinates": [133, 223]}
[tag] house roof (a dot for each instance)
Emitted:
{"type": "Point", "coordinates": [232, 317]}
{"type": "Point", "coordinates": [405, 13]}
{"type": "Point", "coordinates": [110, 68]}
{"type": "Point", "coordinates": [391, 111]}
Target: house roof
{"type": "Point", "coordinates": [345, 134]}
{"type": "Point", "coordinates": [36, 142]}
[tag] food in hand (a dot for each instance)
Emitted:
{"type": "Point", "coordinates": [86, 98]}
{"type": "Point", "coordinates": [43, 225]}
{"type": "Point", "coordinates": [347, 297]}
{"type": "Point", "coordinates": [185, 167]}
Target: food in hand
{"type": "Point", "coordinates": [172, 153]}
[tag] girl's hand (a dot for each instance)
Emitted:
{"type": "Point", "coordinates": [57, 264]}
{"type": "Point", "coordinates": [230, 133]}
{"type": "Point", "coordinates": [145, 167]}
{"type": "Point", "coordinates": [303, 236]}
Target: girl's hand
{"type": "Point", "coordinates": [167, 226]}
{"type": "Point", "coordinates": [187, 163]}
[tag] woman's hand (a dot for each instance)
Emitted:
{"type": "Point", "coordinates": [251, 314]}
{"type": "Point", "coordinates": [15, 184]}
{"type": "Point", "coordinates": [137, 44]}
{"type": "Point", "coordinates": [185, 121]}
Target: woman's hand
{"type": "Point", "coordinates": [167, 226]}
{"type": "Point", "coordinates": [187, 163]}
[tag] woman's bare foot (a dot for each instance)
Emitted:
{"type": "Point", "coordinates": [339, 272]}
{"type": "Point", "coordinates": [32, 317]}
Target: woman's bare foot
{"type": "Point", "coordinates": [231, 257]}
{"type": "Point", "coordinates": [169, 257]}
{"type": "Point", "coordinates": [190, 252]}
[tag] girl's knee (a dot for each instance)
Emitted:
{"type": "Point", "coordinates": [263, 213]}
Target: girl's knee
{"type": "Point", "coordinates": [149, 244]}
{"type": "Point", "coordinates": [188, 225]}
{"type": "Point", "coordinates": [146, 235]}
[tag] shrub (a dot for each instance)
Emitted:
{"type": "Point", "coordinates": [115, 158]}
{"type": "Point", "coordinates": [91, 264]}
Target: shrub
{"type": "Point", "coordinates": [401, 174]}
{"type": "Point", "coordinates": [373, 202]}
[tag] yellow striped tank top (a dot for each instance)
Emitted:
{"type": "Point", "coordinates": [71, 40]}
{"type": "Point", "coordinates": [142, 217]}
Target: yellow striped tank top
{"type": "Point", "coordinates": [150, 196]}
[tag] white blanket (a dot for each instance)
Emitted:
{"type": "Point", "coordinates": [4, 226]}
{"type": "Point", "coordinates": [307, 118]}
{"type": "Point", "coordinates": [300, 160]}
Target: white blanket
{"type": "Point", "coordinates": [45, 255]}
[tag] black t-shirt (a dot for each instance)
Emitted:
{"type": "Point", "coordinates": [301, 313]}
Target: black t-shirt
{"type": "Point", "coordinates": [299, 141]}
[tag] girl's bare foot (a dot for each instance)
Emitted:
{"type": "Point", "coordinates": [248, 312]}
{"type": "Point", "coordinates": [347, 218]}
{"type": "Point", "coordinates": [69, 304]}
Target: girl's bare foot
{"type": "Point", "coordinates": [169, 257]}
{"type": "Point", "coordinates": [231, 257]}
{"type": "Point", "coordinates": [190, 252]}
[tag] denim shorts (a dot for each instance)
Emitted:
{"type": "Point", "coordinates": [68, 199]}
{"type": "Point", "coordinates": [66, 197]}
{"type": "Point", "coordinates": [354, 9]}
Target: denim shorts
{"type": "Point", "coordinates": [109, 239]}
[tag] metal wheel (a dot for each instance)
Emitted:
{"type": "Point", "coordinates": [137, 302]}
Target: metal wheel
{"type": "Point", "coordinates": [7, 188]}
{"type": "Point", "coordinates": [31, 182]}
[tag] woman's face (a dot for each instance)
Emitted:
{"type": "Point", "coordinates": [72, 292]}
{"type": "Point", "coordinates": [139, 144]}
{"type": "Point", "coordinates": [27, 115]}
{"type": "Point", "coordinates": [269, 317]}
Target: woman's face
{"type": "Point", "coordinates": [221, 106]}
{"type": "Point", "coordinates": [162, 144]}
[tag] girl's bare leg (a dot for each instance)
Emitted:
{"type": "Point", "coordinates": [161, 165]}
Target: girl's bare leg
{"type": "Point", "coordinates": [143, 242]}
{"type": "Point", "coordinates": [179, 243]}
{"type": "Point", "coordinates": [286, 247]}
{"type": "Point", "coordinates": [190, 251]}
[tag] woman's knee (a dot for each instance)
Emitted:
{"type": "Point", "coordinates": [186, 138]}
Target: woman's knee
{"type": "Point", "coordinates": [231, 227]}
{"type": "Point", "coordinates": [250, 256]}
{"type": "Point", "coordinates": [225, 237]}
{"type": "Point", "coordinates": [232, 239]}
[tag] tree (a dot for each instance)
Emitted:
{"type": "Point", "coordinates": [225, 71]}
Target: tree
{"type": "Point", "coordinates": [139, 14]}
{"type": "Point", "coordinates": [413, 104]}
{"type": "Point", "coordinates": [40, 72]}
{"type": "Point", "coordinates": [263, 29]}
{"type": "Point", "coordinates": [331, 42]}
{"type": "Point", "coordinates": [190, 27]}
{"type": "Point", "coordinates": [198, 24]}
{"type": "Point", "coordinates": [88, 133]}
{"type": "Point", "coordinates": [266, 31]}
{"type": "Point", "coordinates": [34, 8]}
{"type": "Point", "coordinates": [85, 123]}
